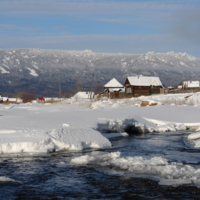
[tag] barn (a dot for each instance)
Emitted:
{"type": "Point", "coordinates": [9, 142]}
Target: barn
{"type": "Point", "coordinates": [142, 85]}
{"type": "Point", "coordinates": [113, 89]}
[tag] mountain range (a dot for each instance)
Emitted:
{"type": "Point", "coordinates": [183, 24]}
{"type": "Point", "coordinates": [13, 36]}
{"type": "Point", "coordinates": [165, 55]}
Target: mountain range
{"type": "Point", "coordinates": [48, 72]}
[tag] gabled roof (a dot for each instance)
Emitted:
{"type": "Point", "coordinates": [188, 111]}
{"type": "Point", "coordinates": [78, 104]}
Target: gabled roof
{"type": "Point", "coordinates": [113, 84]}
{"type": "Point", "coordinates": [144, 81]}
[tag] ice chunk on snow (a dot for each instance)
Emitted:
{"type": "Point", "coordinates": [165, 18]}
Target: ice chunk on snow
{"type": "Point", "coordinates": [6, 179]}
{"type": "Point", "coordinates": [175, 182]}
{"type": "Point", "coordinates": [194, 136]}
{"type": "Point", "coordinates": [196, 143]}
{"type": "Point", "coordinates": [177, 173]}
{"type": "Point", "coordinates": [78, 138]}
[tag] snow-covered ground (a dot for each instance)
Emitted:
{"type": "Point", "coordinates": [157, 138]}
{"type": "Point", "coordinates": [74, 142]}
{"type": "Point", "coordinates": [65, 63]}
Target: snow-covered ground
{"type": "Point", "coordinates": [76, 124]}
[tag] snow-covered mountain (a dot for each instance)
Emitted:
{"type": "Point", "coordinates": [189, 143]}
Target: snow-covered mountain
{"type": "Point", "coordinates": [42, 72]}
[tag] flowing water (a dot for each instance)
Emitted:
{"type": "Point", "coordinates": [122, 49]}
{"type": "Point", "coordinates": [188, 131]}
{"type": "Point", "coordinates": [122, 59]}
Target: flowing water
{"type": "Point", "coordinates": [52, 176]}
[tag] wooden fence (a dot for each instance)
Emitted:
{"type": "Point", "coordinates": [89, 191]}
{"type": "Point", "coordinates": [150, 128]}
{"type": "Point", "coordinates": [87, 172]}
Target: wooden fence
{"type": "Point", "coordinates": [178, 91]}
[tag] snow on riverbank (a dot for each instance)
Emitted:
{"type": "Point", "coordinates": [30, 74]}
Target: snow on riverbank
{"type": "Point", "coordinates": [189, 99]}
{"type": "Point", "coordinates": [36, 141]}
{"type": "Point", "coordinates": [39, 127]}
{"type": "Point", "coordinates": [138, 124]}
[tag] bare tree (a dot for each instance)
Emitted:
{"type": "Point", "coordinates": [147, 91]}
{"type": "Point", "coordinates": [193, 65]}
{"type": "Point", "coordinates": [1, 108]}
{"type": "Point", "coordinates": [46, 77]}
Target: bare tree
{"type": "Point", "coordinates": [26, 96]}
{"type": "Point", "coordinates": [71, 93]}
{"type": "Point", "coordinates": [78, 86]}
{"type": "Point", "coordinates": [98, 88]}
{"type": "Point", "coordinates": [91, 86]}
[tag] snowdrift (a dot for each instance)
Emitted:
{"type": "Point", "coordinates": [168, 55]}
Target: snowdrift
{"type": "Point", "coordinates": [138, 124]}
{"type": "Point", "coordinates": [37, 141]}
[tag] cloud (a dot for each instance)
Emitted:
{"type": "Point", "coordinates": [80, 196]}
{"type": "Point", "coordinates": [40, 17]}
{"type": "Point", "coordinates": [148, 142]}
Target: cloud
{"type": "Point", "coordinates": [177, 21]}
{"type": "Point", "coordinates": [14, 27]}
{"type": "Point", "coordinates": [66, 7]}
{"type": "Point", "coordinates": [133, 44]}
{"type": "Point", "coordinates": [60, 27]}
{"type": "Point", "coordinates": [187, 25]}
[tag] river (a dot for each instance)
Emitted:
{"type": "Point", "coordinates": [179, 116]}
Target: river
{"type": "Point", "coordinates": [53, 176]}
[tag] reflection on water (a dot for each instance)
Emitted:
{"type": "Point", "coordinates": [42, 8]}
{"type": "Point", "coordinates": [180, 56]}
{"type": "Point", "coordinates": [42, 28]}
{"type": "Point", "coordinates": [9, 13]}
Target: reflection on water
{"type": "Point", "coordinates": [39, 177]}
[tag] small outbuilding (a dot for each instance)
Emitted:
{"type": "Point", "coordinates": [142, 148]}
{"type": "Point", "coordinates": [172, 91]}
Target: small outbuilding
{"type": "Point", "coordinates": [113, 89]}
{"type": "Point", "coordinates": [142, 85]}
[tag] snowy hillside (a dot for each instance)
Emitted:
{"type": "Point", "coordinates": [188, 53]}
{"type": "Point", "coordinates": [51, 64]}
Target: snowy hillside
{"type": "Point", "coordinates": [42, 71]}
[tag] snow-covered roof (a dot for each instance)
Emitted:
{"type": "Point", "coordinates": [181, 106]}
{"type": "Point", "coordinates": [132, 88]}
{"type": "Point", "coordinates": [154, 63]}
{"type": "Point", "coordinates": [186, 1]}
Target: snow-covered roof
{"type": "Point", "coordinates": [191, 84]}
{"type": "Point", "coordinates": [84, 95]}
{"type": "Point", "coordinates": [113, 83]}
{"type": "Point", "coordinates": [144, 81]}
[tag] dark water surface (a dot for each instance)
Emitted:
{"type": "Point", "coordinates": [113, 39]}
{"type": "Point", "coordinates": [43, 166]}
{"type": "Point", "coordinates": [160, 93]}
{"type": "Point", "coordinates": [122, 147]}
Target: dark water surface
{"type": "Point", "coordinates": [39, 177]}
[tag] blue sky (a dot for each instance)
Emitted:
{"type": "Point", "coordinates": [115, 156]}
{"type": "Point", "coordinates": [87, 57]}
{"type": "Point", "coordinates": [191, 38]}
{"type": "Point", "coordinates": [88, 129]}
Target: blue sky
{"type": "Point", "coordinates": [110, 26]}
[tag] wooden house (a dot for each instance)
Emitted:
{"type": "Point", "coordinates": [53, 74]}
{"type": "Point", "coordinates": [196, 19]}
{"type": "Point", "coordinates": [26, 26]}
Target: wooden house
{"type": "Point", "coordinates": [113, 89]}
{"type": "Point", "coordinates": [142, 85]}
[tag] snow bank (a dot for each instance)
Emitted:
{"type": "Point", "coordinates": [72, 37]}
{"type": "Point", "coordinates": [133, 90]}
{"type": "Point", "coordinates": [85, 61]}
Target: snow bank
{"type": "Point", "coordinates": [168, 173]}
{"type": "Point", "coordinates": [78, 138]}
{"type": "Point", "coordinates": [37, 141]}
{"type": "Point", "coordinates": [190, 99]}
{"type": "Point", "coordinates": [137, 124]}
{"type": "Point", "coordinates": [25, 141]}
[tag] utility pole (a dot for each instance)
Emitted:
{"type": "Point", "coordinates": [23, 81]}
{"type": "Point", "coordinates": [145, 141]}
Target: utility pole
{"type": "Point", "coordinates": [59, 90]}
{"type": "Point", "coordinates": [91, 86]}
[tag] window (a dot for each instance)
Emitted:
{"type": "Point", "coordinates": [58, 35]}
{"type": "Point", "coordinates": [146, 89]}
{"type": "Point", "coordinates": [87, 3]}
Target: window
{"type": "Point", "coordinates": [128, 90]}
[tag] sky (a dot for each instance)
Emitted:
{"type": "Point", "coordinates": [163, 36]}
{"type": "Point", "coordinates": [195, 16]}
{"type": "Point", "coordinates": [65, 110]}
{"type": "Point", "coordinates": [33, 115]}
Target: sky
{"type": "Point", "coordinates": [105, 26]}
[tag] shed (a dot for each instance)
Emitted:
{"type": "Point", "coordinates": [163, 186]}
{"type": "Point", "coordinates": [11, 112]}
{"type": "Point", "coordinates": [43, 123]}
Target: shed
{"type": "Point", "coordinates": [142, 85]}
{"type": "Point", "coordinates": [113, 89]}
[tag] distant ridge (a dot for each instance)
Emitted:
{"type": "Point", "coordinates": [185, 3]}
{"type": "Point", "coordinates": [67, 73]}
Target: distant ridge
{"type": "Point", "coordinates": [41, 71]}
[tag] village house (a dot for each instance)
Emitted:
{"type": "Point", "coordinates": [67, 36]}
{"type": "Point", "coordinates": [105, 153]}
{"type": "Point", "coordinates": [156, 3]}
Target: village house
{"type": "Point", "coordinates": [189, 85]}
{"type": "Point", "coordinates": [113, 89]}
{"type": "Point", "coordinates": [142, 85]}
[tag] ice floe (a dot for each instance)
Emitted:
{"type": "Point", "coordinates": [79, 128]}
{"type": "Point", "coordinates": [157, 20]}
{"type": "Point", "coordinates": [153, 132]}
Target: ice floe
{"type": "Point", "coordinates": [168, 173]}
